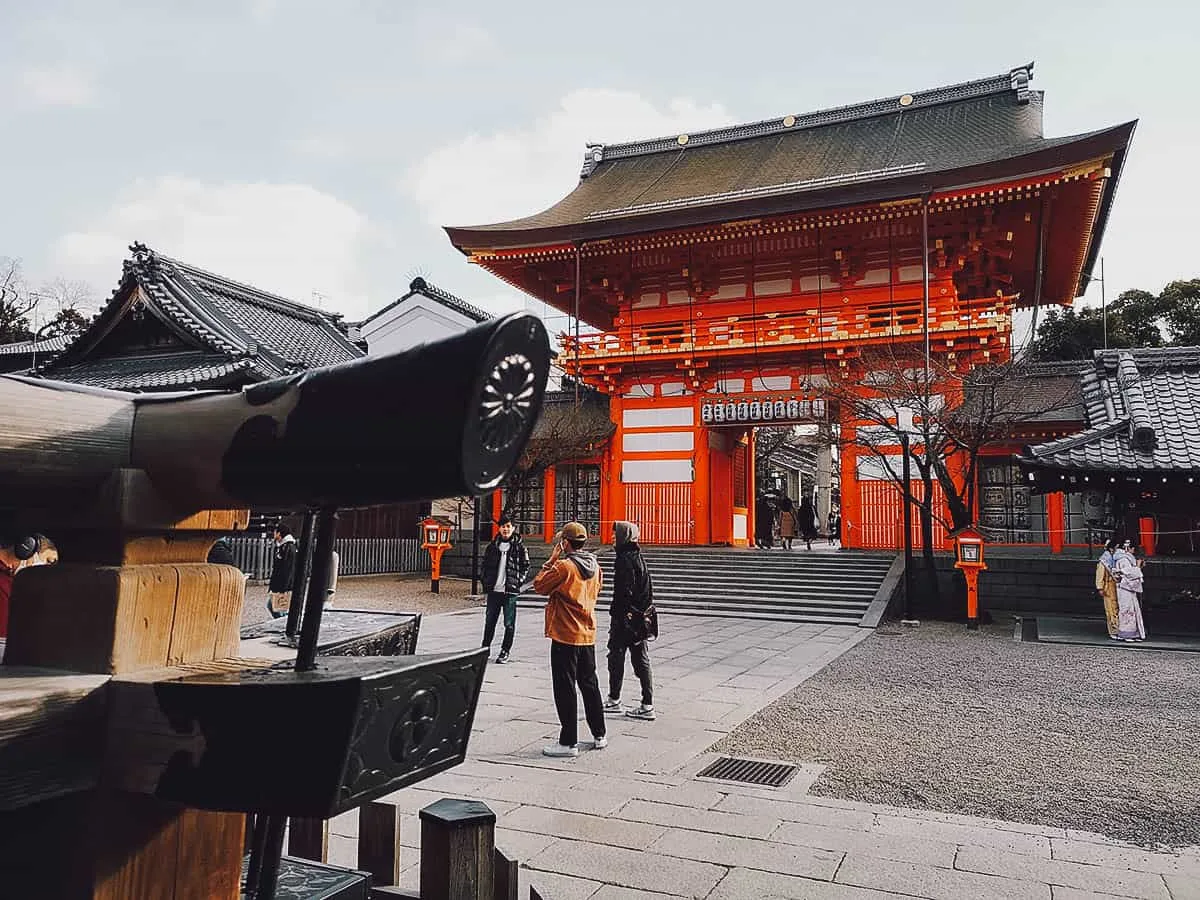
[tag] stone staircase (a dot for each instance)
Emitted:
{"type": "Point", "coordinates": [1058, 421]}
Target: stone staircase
{"type": "Point", "coordinates": [824, 586]}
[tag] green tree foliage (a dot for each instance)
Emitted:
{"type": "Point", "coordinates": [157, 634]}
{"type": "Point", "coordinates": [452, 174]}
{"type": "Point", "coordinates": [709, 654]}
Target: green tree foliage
{"type": "Point", "coordinates": [1135, 319]}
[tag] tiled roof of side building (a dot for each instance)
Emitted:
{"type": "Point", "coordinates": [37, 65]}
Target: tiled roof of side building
{"type": "Point", "coordinates": [177, 370]}
{"type": "Point", "coordinates": [433, 292]}
{"type": "Point", "coordinates": [1143, 414]}
{"type": "Point", "coordinates": [880, 150]}
{"type": "Point", "coordinates": [234, 321]}
{"type": "Point", "coordinates": [45, 345]}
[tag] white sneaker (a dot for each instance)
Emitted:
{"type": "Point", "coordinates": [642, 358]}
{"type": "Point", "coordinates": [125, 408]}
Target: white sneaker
{"type": "Point", "coordinates": [560, 750]}
{"type": "Point", "coordinates": [642, 712]}
{"type": "Point", "coordinates": [600, 743]}
{"type": "Point", "coordinates": [611, 705]}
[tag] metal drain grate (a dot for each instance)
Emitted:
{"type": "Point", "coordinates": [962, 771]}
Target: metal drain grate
{"type": "Point", "coordinates": [749, 771]}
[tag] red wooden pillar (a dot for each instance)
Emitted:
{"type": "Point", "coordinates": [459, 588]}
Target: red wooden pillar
{"type": "Point", "coordinates": [1055, 521]}
{"type": "Point", "coordinates": [1146, 534]}
{"type": "Point", "coordinates": [615, 459]}
{"type": "Point", "coordinates": [701, 484]}
{"type": "Point", "coordinates": [548, 504]}
{"type": "Point", "coordinates": [497, 507]}
{"type": "Point", "coordinates": [852, 519]}
{"type": "Point", "coordinates": [751, 493]}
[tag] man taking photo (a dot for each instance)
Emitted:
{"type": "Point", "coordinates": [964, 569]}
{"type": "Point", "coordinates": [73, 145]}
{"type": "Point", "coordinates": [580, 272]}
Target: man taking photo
{"type": "Point", "coordinates": [570, 580]}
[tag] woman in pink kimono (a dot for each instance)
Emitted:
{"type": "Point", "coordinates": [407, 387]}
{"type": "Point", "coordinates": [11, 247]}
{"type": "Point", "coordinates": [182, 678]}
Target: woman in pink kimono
{"type": "Point", "coordinates": [1130, 581]}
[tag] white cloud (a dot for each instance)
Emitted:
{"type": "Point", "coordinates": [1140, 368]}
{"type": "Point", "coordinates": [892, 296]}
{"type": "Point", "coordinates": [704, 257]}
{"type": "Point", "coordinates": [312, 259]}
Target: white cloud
{"type": "Point", "coordinates": [62, 85]}
{"type": "Point", "coordinates": [290, 239]}
{"type": "Point", "coordinates": [508, 174]}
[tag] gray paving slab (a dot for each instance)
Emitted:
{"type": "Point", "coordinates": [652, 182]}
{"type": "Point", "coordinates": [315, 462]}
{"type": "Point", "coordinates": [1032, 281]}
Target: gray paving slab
{"type": "Point", "coordinates": [972, 835]}
{"type": "Point", "coordinates": [1183, 887]}
{"type": "Point", "coordinates": [909, 848]}
{"type": "Point", "coordinates": [553, 886]}
{"type": "Point", "coordinates": [612, 892]}
{"type": "Point", "coordinates": [615, 831]}
{"type": "Point", "coordinates": [933, 882]}
{"type": "Point", "coordinates": [748, 853]}
{"type": "Point", "coordinates": [1125, 857]}
{"type": "Point", "coordinates": [641, 870]}
{"type": "Point", "coordinates": [698, 819]}
{"type": "Point", "coordinates": [751, 884]}
{"type": "Point", "coordinates": [811, 813]}
{"type": "Point", "coordinates": [1102, 879]}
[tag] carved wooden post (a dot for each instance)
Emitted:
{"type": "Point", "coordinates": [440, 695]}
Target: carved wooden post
{"type": "Point", "coordinates": [458, 839]}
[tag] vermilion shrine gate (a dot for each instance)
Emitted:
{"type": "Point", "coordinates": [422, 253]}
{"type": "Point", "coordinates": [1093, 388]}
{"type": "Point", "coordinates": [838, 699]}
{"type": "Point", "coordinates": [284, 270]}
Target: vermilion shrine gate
{"type": "Point", "coordinates": [729, 275]}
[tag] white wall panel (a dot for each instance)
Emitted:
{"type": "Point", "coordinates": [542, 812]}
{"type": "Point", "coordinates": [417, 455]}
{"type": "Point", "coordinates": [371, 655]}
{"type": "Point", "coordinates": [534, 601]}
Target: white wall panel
{"type": "Point", "coordinates": [650, 442]}
{"type": "Point", "coordinates": [660, 471]}
{"type": "Point", "coordinates": [659, 417]}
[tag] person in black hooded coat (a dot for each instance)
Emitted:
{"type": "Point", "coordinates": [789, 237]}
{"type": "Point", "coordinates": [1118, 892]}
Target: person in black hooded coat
{"type": "Point", "coordinates": [628, 629]}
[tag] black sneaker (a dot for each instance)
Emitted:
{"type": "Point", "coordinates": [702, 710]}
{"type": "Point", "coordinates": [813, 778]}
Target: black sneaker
{"type": "Point", "coordinates": [503, 657]}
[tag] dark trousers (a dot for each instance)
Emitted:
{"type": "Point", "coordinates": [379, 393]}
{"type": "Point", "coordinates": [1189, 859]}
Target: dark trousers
{"type": "Point", "coordinates": [639, 655]}
{"type": "Point", "coordinates": [572, 665]}
{"type": "Point", "coordinates": [495, 603]}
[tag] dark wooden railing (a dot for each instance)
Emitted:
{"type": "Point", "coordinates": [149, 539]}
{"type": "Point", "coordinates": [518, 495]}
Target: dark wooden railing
{"type": "Point", "coordinates": [459, 859]}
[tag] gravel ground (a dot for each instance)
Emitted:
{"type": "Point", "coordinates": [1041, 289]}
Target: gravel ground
{"type": "Point", "coordinates": [398, 593]}
{"type": "Point", "coordinates": [939, 718]}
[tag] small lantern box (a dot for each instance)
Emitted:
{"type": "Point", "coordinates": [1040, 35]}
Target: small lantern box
{"type": "Point", "coordinates": [435, 537]}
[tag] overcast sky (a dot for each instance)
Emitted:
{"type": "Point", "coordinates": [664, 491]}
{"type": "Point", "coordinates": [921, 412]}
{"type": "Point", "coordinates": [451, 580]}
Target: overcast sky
{"type": "Point", "coordinates": [315, 148]}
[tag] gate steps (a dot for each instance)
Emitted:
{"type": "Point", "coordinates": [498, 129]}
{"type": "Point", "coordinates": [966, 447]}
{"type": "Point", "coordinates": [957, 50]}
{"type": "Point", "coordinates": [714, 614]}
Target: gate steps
{"type": "Point", "coordinates": [830, 588]}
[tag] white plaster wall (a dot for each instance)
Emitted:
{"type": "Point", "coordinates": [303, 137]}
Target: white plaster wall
{"type": "Point", "coordinates": [417, 320]}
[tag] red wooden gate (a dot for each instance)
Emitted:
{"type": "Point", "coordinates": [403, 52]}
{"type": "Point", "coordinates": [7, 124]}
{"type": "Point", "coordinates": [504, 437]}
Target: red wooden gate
{"type": "Point", "coordinates": [662, 511]}
{"type": "Point", "coordinates": [882, 514]}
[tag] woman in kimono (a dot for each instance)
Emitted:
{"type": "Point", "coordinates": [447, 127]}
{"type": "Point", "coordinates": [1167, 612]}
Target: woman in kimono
{"type": "Point", "coordinates": [1128, 572]}
{"type": "Point", "coordinates": [787, 521]}
{"type": "Point", "coordinates": [1106, 585]}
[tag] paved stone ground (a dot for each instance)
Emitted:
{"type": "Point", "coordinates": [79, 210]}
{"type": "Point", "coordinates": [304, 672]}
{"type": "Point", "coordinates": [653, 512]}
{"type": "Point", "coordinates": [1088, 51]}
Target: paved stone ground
{"type": "Point", "coordinates": [632, 821]}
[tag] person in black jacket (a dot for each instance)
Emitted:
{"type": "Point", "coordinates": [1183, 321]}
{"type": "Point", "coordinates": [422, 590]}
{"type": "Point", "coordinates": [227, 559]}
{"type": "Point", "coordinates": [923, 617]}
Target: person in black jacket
{"type": "Point", "coordinates": [221, 553]}
{"type": "Point", "coordinates": [628, 629]}
{"type": "Point", "coordinates": [279, 596]}
{"type": "Point", "coordinates": [505, 567]}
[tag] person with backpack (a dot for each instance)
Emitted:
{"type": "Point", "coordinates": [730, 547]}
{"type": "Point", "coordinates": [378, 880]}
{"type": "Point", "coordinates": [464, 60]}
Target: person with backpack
{"type": "Point", "coordinates": [634, 622]}
{"type": "Point", "coordinates": [505, 565]}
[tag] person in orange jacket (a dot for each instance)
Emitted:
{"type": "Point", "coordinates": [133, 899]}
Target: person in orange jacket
{"type": "Point", "coordinates": [570, 580]}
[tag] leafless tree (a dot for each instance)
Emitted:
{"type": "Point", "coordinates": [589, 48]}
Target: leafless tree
{"type": "Point", "coordinates": [954, 416]}
{"type": "Point", "coordinates": [60, 304]}
{"type": "Point", "coordinates": [565, 431]}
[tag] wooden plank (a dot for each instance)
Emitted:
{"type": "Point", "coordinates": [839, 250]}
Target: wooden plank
{"type": "Point", "coordinates": [232, 597]}
{"type": "Point", "coordinates": [137, 851]}
{"type": "Point", "coordinates": [51, 729]}
{"type": "Point", "coordinates": [379, 842]}
{"type": "Point", "coordinates": [115, 620]}
{"type": "Point", "coordinates": [197, 614]}
{"type": "Point", "coordinates": [309, 839]}
{"type": "Point", "coordinates": [210, 849]}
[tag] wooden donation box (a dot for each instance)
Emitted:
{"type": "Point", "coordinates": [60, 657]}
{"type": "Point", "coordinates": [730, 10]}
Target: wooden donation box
{"type": "Point", "coordinates": [968, 556]}
{"type": "Point", "coordinates": [133, 738]}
